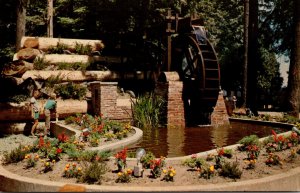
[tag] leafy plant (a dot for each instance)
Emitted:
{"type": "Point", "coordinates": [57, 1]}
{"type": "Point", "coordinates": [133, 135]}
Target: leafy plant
{"type": "Point", "coordinates": [273, 159]}
{"type": "Point", "coordinates": [48, 166]}
{"type": "Point", "coordinates": [231, 170]}
{"type": "Point", "coordinates": [93, 173]}
{"type": "Point", "coordinates": [72, 66]}
{"type": "Point", "coordinates": [18, 98]}
{"type": "Point", "coordinates": [16, 155]}
{"type": "Point", "coordinates": [252, 151]}
{"type": "Point", "coordinates": [121, 159]}
{"type": "Point", "coordinates": [147, 111]}
{"type": "Point", "coordinates": [248, 140]}
{"type": "Point", "coordinates": [55, 154]}
{"type": "Point", "coordinates": [124, 177]}
{"type": "Point", "coordinates": [194, 162]}
{"type": "Point", "coordinates": [71, 90]}
{"type": "Point", "coordinates": [156, 167]}
{"type": "Point", "coordinates": [72, 171]}
{"type": "Point", "coordinates": [31, 162]}
{"type": "Point", "coordinates": [207, 171]}
{"type": "Point", "coordinates": [83, 49]}
{"type": "Point", "coordinates": [169, 174]}
{"type": "Point", "coordinates": [103, 156]}
{"type": "Point", "coordinates": [146, 159]}
{"type": "Point", "coordinates": [40, 63]}
{"type": "Point", "coordinates": [52, 80]}
{"type": "Point", "coordinates": [58, 49]}
{"type": "Point", "coordinates": [250, 163]}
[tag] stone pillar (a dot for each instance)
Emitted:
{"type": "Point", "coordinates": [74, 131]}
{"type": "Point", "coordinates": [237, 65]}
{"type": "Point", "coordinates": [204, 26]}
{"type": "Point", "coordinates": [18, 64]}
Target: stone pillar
{"type": "Point", "coordinates": [170, 88]}
{"type": "Point", "coordinates": [105, 102]}
{"type": "Point", "coordinates": [219, 115]}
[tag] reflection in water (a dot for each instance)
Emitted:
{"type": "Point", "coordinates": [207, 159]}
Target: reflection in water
{"type": "Point", "coordinates": [219, 135]}
{"type": "Point", "coordinates": [175, 142]}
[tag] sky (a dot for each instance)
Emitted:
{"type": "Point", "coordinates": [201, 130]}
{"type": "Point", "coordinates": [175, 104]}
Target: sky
{"type": "Point", "coordinates": [284, 68]}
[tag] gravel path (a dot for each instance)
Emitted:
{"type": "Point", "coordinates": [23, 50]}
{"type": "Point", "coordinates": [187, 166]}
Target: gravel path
{"type": "Point", "coordinates": [11, 142]}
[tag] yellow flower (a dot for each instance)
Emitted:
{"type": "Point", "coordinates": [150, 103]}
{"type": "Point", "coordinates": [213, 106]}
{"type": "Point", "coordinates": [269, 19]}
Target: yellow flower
{"type": "Point", "coordinates": [173, 171]}
{"type": "Point", "coordinates": [164, 171]}
{"type": "Point", "coordinates": [120, 174]}
{"type": "Point", "coordinates": [79, 169]}
{"type": "Point", "coordinates": [67, 165]}
{"type": "Point", "coordinates": [37, 157]}
{"type": "Point", "coordinates": [171, 174]}
{"type": "Point", "coordinates": [66, 169]}
{"type": "Point", "coordinates": [212, 168]}
{"type": "Point", "coordinates": [53, 161]}
{"type": "Point", "coordinates": [47, 163]}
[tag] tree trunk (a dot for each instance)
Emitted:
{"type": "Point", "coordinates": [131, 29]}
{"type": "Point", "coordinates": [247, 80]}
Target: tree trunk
{"type": "Point", "coordinates": [252, 57]}
{"type": "Point", "coordinates": [245, 67]}
{"type": "Point", "coordinates": [21, 22]}
{"type": "Point", "coordinates": [50, 19]}
{"type": "Point", "coordinates": [294, 71]}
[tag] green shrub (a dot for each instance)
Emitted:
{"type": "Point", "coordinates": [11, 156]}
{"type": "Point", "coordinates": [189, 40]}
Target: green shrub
{"type": "Point", "coordinates": [71, 91]}
{"type": "Point", "coordinates": [147, 111]}
{"type": "Point", "coordinates": [249, 140]}
{"type": "Point", "coordinates": [194, 162]}
{"type": "Point", "coordinates": [58, 49]}
{"type": "Point", "coordinates": [18, 98]}
{"type": "Point", "coordinates": [231, 170]}
{"type": "Point", "coordinates": [228, 153]}
{"type": "Point", "coordinates": [83, 49]}
{"type": "Point", "coordinates": [40, 63]}
{"type": "Point", "coordinates": [16, 155]}
{"type": "Point", "coordinates": [93, 172]}
{"type": "Point", "coordinates": [52, 80]}
{"type": "Point", "coordinates": [88, 155]}
{"type": "Point", "coordinates": [103, 156]}
{"type": "Point", "coordinates": [207, 171]}
{"type": "Point", "coordinates": [69, 120]}
{"type": "Point", "coordinates": [124, 177]}
{"type": "Point", "coordinates": [72, 66]}
{"type": "Point", "coordinates": [146, 159]}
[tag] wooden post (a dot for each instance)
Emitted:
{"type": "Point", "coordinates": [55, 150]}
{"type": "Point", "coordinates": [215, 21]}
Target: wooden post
{"type": "Point", "coordinates": [169, 31]}
{"type": "Point", "coordinates": [50, 19]}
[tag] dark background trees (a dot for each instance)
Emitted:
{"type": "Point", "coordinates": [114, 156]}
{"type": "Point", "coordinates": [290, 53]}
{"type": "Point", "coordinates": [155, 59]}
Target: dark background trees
{"type": "Point", "coordinates": [135, 24]}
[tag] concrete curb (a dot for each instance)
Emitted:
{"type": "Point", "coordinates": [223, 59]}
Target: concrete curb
{"type": "Point", "coordinates": [289, 181]}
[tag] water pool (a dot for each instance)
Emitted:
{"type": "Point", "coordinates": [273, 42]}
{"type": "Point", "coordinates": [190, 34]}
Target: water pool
{"type": "Point", "coordinates": [174, 142]}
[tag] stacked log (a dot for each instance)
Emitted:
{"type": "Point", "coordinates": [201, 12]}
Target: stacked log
{"type": "Point", "coordinates": [82, 76]}
{"type": "Point", "coordinates": [22, 111]}
{"type": "Point", "coordinates": [43, 43]}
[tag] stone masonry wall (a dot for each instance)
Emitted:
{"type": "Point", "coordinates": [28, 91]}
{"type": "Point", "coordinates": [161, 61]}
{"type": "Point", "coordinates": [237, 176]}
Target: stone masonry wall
{"type": "Point", "coordinates": [104, 101]}
{"type": "Point", "coordinates": [219, 115]}
{"type": "Point", "coordinates": [170, 88]}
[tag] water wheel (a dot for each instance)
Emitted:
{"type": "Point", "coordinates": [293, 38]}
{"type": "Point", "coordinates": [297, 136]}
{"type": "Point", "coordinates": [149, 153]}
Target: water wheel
{"type": "Point", "coordinates": [197, 64]}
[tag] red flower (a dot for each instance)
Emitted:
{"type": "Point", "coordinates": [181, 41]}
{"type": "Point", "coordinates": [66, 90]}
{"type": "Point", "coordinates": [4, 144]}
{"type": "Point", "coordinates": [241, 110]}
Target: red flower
{"type": "Point", "coordinates": [221, 152]}
{"type": "Point", "coordinates": [274, 135]}
{"type": "Point", "coordinates": [58, 150]}
{"type": "Point", "coordinates": [41, 142]}
{"type": "Point", "coordinates": [281, 138]}
{"type": "Point", "coordinates": [122, 154]}
{"type": "Point", "coordinates": [62, 137]}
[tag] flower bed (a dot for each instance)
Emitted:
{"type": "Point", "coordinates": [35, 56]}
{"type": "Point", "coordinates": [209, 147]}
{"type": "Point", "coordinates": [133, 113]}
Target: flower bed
{"type": "Point", "coordinates": [252, 159]}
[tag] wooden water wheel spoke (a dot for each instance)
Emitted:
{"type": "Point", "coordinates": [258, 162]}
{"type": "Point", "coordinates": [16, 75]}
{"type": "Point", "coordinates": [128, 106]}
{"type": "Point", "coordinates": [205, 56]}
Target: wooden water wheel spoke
{"type": "Point", "coordinates": [200, 70]}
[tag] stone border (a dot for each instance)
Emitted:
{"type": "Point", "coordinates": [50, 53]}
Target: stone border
{"type": "Point", "coordinates": [289, 181]}
{"type": "Point", "coordinates": [57, 128]}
